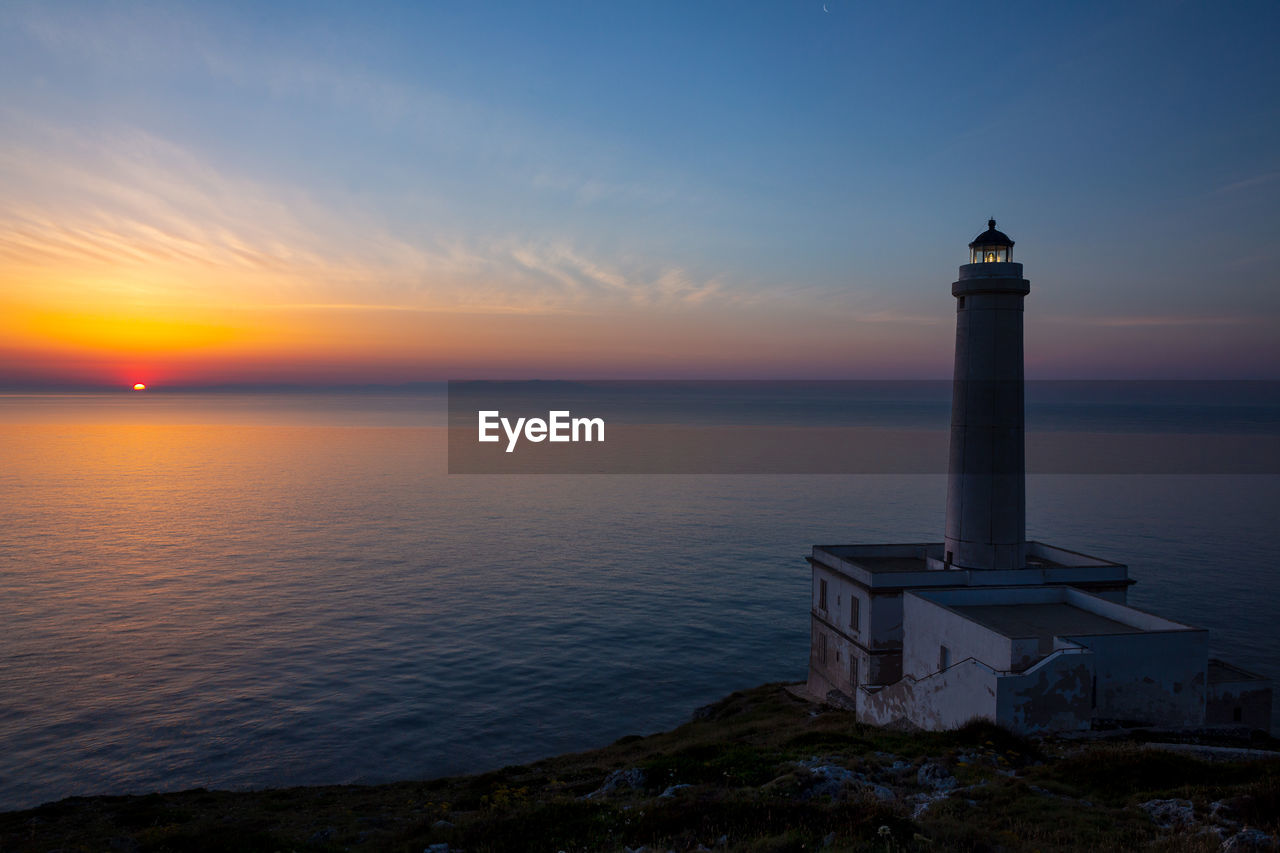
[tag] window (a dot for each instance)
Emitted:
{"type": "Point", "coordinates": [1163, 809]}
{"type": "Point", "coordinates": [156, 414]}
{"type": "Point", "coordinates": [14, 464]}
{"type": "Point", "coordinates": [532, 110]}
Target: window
{"type": "Point", "coordinates": [855, 616]}
{"type": "Point", "coordinates": [822, 647]}
{"type": "Point", "coordinates": [1237, 714]}
{"type": "Point", "coordinates": [822, 594]}
{"type": "Point", "coordinates": [944, 658]}
{"type": "Point", "coordinates": [853, 673]}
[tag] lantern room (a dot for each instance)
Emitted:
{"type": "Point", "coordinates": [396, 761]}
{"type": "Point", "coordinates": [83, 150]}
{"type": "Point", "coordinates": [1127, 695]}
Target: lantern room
{"type": "Point", "coordinates": [991, 246]}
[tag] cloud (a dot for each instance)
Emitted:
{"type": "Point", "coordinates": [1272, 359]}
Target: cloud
{"type": "Point", "coordinates": [582, 281]}
{"type": "Point", "coordinates": [137, 213]}
{"type": "Point", "coordinates": [1256, 180]}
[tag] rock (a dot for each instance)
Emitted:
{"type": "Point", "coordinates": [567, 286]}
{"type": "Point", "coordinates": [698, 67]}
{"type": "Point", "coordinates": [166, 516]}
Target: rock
{"type": "Point", "coordinates": [322, 835]}
{"type": "Point", "coordinates": [442, 824]}
{"type": "Point", "coordinates": [933, 775]}
{"type": "Point", "coordinates": [671, 791]}
{"type": "Point", "coordinates": [1249, 840]}
{"type": "Point", "coordinates": [827, 780]}
{"type": "Point", "coordinates": [1216, 833]}
{"type": "Point", "coordinates": [631, 778]}
{"type": "Point", "coordinates": [1223, 813]}
{"type": "Point", "coordinates": [882, 793]}
{"type": "Point", "coordinates": [1170, 814]}
{"type": "Point", "coordinates": [124, 844]}
{"type": "Point", "coordinates": [436, 848]}
{"type": "Point", "coordinates": [923, 802]}
{"type": "Point", "coordinates": [828, 839]}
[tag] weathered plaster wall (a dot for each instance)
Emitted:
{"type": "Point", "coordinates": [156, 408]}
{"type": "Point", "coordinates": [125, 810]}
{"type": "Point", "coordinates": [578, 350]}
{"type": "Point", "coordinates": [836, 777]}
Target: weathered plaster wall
{"type": "Point", "coordinates": [1055, 695]}
{"type": "Point", "coordinates": [943, 700]}
{"type": "Point", "coordinates": [1025, 651]}
{"type": "Point", "coordinates": [834, 672]}
{"type": "Point", "coordinates": [875, 641]}
{"type": "Point", "coordinates": [841, 592]}
{"type": "Point", "coordinates": [1156, 679]}
{"type": "Point", "coordinates": [1252, 698]}
{"type": "Point", "coordinates": [928, 626]}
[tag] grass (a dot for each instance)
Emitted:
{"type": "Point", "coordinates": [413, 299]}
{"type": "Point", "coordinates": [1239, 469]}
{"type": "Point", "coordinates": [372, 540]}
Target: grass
{"type": "Point", "coordinates": [744, 791]}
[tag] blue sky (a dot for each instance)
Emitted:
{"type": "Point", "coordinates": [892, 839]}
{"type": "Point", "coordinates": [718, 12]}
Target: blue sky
{"type": "Point", "coordinates": [670, 180]}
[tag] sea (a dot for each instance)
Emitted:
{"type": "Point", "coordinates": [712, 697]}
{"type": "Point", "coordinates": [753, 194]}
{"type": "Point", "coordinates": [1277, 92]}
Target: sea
{"type": "Point", "coordinates": [243, 590]}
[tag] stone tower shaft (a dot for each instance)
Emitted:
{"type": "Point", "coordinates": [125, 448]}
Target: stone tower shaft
{"type": "Point", "coordinates": [986, 476]}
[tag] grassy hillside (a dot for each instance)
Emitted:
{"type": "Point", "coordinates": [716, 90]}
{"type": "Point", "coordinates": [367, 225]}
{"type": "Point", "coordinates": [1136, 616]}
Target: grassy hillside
{"type": "Point", "coordinates": [758, 771]}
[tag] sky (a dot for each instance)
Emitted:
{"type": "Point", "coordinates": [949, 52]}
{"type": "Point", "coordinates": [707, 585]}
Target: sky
{"type": "Point", "coordinates": [382, 193]}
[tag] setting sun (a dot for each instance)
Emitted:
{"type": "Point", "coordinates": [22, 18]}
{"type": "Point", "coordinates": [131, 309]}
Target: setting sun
{"type": "Point", "coordinates": [139, 387]}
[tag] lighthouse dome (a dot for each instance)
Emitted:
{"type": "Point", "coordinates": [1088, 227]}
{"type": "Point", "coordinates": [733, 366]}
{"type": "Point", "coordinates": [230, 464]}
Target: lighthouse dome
{"type": "Point", "coordinates": [991, 246]}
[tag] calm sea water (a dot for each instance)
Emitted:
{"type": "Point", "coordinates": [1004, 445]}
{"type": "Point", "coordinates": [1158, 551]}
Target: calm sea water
{"type": "Point", "coordinates": [240, 591]}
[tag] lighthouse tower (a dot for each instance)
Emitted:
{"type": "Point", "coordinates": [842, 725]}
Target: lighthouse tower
{"type": "Point", "coordinates": [986, 477]}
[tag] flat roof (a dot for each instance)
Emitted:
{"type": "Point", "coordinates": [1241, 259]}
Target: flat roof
{"type": "Point", "coordinates": [913, 557]}
{"type": "Point", "coordinates": [1045, 621]}
{"type": "Point", "coordinates": [1039, 561]}
{"type": "Point", "coordinates": [876, 565]}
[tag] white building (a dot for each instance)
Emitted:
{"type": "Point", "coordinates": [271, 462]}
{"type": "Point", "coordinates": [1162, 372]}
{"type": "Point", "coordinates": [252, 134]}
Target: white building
{"type": "Point", "coordinates": [986, 624]}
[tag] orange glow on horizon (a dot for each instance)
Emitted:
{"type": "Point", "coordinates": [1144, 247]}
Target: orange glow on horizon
{"type": "Point", "coordinates": [111, 321]}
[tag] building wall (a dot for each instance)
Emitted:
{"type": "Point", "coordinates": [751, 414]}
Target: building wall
{"type": "Point", "coordinates": [876, 639]}
{"type": "Point", "coordinates": [885, 620]}
{"type": "Point", "coordinates": [1239, 703]}
{"type": "Point", "coordinates": [942, 700]}
{"type": "Point", "coordinates": [1155, 679]}
{"type": "Point", "coordinates": [1024, 652]}
{"type": "Point", "coordinates": [841, 592]}
{"type": "Point", "coordinates": [929, 627]}
{"type": "Point", "coordinates": [1055, 695]}
{"type": "Point", "coordinates": [830, 660]}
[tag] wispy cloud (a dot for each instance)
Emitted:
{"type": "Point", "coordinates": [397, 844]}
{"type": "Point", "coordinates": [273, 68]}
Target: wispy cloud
{"type": "Point", "coordinates": [125, 202]}
{"type": "Point", "coordinates": [1247, 183]}
{"type": "Point", "coordinates": [582, 280]}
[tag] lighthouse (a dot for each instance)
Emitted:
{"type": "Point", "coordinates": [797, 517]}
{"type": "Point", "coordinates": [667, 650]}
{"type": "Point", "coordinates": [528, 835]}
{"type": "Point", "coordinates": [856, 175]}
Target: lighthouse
{"type": "Point", "coordinates": [986, 475]}
{"type": "Point", "coordinates": [986, 625]}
